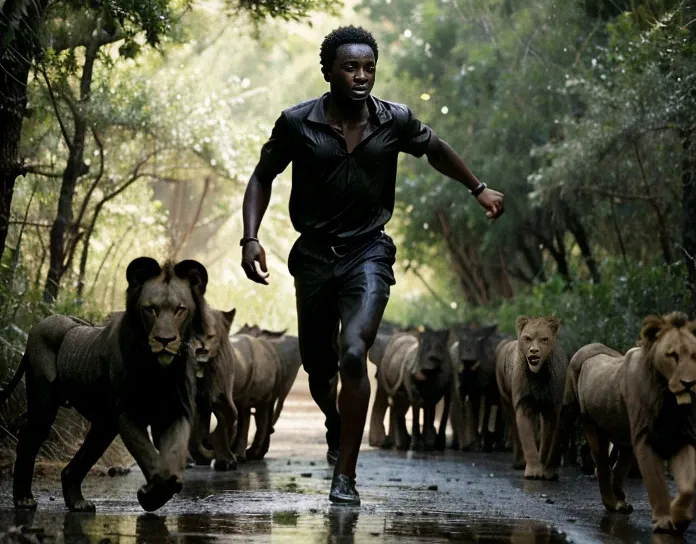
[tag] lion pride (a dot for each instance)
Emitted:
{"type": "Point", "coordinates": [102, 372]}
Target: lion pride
{"type": "Point", "coordinates": [642, 402]}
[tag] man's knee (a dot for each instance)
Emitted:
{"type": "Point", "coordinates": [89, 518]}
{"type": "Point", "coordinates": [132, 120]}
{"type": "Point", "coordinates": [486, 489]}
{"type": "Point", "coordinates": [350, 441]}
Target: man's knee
{"type": "Point", "coordinates": [354, 358]}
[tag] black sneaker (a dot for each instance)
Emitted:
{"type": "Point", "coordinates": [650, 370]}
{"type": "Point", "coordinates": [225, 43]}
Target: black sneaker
{"type": "Point", "coordinates": [343, 490]}
{"type": "Point", "coordinates": [332, 457]}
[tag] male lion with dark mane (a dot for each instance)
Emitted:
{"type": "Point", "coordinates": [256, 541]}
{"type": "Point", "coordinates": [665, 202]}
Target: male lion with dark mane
{"type": "Point", "coordinates": [530, 372]}
{"type": "Point", "coordinates": [135, 372]}
{"type": "Point", "coordinates": [642, 402]}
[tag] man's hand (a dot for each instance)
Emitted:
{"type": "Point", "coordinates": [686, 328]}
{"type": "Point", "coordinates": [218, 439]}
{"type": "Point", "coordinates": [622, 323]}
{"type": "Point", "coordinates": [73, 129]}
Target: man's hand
{"type": "Point", "coordinates": [492, 201]}
{"type": "Point", "coordinates": [254, 262]}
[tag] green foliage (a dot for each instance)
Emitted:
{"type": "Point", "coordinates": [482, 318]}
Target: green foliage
{"type": "Point", "coordinates": [610, 312]}
{"type": "Point", "coordinates": [288, 10]}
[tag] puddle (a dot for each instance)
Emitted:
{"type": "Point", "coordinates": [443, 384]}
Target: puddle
{"type": "Point", "coordinates": [336, 524]}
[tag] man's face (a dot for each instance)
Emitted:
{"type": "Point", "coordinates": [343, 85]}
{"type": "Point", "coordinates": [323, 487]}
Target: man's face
{"type": "Point", "coordinates": [352, 75]}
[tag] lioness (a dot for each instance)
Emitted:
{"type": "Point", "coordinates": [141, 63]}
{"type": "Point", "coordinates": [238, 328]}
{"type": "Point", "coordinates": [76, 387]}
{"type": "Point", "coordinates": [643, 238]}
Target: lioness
{"type": "Point", "coordinates": [530, 373]}
{"type": "Point", "coordinates": [287, 347]}
{"type": "Point", "coordinates": [473, 357]}
{"type": "Point", "coordinates": [258, 383]}
{"type": "Point", "coordinates": [251, 369]}
{"type": "Point", "coordinates": [643, 402]}
{"type": "Point", "coordinates": [414, 372]}
{"type": "Point", "coordinates": [135, 372]}
{"type": "Point", "coordinates": [214, 392]}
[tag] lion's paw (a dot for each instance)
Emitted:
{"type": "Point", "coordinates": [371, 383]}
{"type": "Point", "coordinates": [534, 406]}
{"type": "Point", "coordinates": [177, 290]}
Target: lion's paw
{"type": "Point", "coordinates": [254, 455]}
{"type": "Point", "coordinates": [25, 503]}
{"type": "Point", "coordinates": [681, 516]}
{"type": "Point", "coordinates": [533, 473]}
{"type": "Point", "coordinates": [623, 507]}
{"type": "Point", "coordinates": [158, 492]}
{"type": "Point", "coordinates": [416, 446]}
{"type": "Point", "coordinates": [519, 464]}
{"type": "Point", "coordinates": [82, 505]}
{"type": "Point", "coordinates": [663, 524]}
{"type": "Point", "coordinates": [223, 465]}
{"type": "Point", "coordinates": [550, 475]}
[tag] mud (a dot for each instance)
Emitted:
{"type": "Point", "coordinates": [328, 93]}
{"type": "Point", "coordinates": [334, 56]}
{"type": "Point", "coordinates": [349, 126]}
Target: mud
{"type": "Point", "coordinates": [406, 497]}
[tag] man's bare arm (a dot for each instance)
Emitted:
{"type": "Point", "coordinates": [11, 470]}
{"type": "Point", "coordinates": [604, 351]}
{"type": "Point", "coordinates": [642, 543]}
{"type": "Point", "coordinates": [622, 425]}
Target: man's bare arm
{"type": "Point", "coordinates": [256, 199]}
{"type": "Point", "coordinates": [448, 162]}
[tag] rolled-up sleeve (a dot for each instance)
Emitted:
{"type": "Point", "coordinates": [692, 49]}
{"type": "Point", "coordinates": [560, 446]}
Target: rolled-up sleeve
{"type": "Point", "coordinates": [414, 135]}
{"type": "Point", "coordinates": [276, 153]}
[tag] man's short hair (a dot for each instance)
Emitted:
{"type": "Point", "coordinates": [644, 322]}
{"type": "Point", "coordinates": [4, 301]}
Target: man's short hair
{"type": "Point", "coordinates": [342, 36]}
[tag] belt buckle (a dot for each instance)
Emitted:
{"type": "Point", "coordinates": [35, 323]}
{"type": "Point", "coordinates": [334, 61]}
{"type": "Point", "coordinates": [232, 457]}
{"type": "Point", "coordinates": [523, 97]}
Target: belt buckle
{"type": "Point", "coordinates": [333, 249]}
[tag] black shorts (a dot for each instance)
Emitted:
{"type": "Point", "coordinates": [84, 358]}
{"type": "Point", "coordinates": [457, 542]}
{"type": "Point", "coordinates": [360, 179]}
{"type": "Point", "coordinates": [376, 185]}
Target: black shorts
{"type": "Point", "coordinates": [341, 294]}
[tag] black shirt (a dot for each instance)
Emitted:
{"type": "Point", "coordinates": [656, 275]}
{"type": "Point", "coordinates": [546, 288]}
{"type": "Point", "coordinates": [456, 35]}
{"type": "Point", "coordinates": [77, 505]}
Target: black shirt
{"type": "Point", "coordinates": [335, 194]}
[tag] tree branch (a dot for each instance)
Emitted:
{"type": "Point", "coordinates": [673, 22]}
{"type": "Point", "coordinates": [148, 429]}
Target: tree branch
{"type": "Point", "coordinates": [432, 291]}
{"type": "Point", "coordinates": [30, 223]}
{"type": "Point", "coordinates": [192, 226]}
{"type": "Point", "coordinates": [54, 103]}
{"type": "Point", "coordinates": [73, 42]}
{"type": "Point", "coordinates": [613, 194]}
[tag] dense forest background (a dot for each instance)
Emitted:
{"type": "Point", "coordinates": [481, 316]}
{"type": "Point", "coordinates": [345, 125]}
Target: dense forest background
{"type": "Point", "coordinates": [131, 128]}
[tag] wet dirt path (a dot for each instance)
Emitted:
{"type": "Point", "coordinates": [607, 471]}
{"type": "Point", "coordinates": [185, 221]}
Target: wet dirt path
{"type": "Point", "coordinates": [407, 497]}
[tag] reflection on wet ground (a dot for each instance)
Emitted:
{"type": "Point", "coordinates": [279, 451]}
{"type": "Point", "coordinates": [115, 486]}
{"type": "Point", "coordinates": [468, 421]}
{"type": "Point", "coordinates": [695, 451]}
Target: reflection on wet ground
{"type": "Point", "coordinates": [337, 524]}
{"type": "Point", "coordinates": [406, 496]}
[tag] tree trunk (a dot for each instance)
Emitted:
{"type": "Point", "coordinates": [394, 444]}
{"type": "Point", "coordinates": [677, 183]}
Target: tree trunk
{"type": "Point", "coordinates": [662, 231]}
{"type": "Point", "coordinates": [688, 215]}
{"type": "Point", "coordinates": [576, 227]}
{"type": "Point", "coordinates": [15, 62]}
{"type": "Point", "coordinates": [75, 168]}
{"type": "Point", "coordinates": [533, 257]}
{"type": "Point", "coordinates": [467, 265]}
{"type": "Point", "coordinates": [85, 252]}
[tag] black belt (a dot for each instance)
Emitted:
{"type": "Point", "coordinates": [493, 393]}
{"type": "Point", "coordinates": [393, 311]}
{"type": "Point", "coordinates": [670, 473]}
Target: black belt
{"type": "Point", "coordinates": [348, 243]}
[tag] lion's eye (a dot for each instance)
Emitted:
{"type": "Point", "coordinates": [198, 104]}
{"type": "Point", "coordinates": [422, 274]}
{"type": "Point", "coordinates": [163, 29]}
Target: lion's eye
{"type": "Point", "coordinates": [150, 309]}
{"type": "Point", "coordinates": [211, 336]}
{"type": "Point", "coordinates": [527, 338]}
{"type": "Point", "coordinates": [181, 309]}
{"type": "Point", "coordinates": [545, 340]}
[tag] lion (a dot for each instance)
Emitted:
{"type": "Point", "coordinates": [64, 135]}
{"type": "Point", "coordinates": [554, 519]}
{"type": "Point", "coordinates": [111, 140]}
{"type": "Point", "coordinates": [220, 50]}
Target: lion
{"type": "Point", "coordinates": [258, 332]}
{"type": "Point", "coordinates": [258, 383]}
{"type": "Point", "coordinates": [135, 372]}
{"type": "Point", "coordinates": [475, 388]}
{"type": "Point", "coordinates": [414, 372]}
{"type": "Point", "coordinates": [251, 369]}
{"type": "Point", "coordinates": [214, 392]}
{"type": "Point", "coordinates": [530, 373]}
{"type": "Point", "coordinates": [287, 347]}
{"type": "Point", "coordinates": [643, 403]}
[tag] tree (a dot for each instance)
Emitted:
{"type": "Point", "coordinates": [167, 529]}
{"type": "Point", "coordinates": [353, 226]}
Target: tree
{"type": "Point", "coordinates": [26, 33]}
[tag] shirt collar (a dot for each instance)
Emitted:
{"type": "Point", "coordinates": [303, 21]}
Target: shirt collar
{"type": "Point", "coordinates": [378, 112]}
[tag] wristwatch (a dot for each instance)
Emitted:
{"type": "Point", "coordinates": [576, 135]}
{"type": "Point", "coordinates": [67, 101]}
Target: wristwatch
{"type": "Point", "coordinates": [478, 190]}
{"type": "Point", "coordinates": [247, 239]}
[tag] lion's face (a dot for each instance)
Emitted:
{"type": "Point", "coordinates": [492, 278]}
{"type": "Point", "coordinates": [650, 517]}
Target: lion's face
{"type": "Point", "coordinates": [536, 339]}
{"type": "Point", "coordinates": [166, 309]}
{"type": "Point", "coordinates": [471, 341]}
{"type": "Point", "coordinates": [166, 302]}
{"type": "Point", "coordinates": [432, 350]}
{"type": "Point", "coordinates": [672, 341]}
{"type": "Point", "coordinates": [206, 344]}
